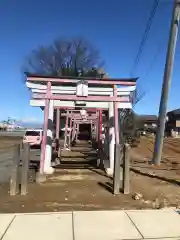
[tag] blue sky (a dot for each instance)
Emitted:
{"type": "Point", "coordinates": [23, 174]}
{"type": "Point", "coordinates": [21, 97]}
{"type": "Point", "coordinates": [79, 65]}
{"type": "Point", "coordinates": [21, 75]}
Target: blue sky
{"type": "Point", "coordinates": [115, 27]}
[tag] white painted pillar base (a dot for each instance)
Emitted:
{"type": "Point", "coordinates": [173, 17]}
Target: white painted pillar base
{"type": "Point", "coordinates": [110, 168]}
{"type": "Point", "coordinates": [48, 153]}
{"type": "Point", "coordinates": [109, 171]}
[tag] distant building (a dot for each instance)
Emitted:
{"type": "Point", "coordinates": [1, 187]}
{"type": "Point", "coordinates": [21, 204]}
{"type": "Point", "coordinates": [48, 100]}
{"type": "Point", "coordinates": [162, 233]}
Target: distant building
{"type": "Point", "coordinates": [147, 123]}
{"type": "Point", "coordinates": [135, 124]}
{"type": "Point", "coordinates": [173, 123]}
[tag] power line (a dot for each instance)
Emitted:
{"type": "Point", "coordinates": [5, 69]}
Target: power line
{"type": "Point", "coordinates": [154, 59]}
{"type": "Point", "coordinates": [145, 35]}
{"type": "Point", "coordinates": [160, 47]}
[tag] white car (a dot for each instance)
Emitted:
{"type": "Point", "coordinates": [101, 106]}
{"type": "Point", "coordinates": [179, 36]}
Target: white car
{"type": "Point", "coordinates": [33, 137]}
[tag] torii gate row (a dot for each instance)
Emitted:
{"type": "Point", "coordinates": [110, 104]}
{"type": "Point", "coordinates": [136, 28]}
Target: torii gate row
{"type": "Point", "coordinates": [52, 92]}
{"type": "Point", "coordinates": [78, 116]}
{"type": "Point", "coordinates": [92, 112]}
{"type": "Point", "coordinates": [72, 130]}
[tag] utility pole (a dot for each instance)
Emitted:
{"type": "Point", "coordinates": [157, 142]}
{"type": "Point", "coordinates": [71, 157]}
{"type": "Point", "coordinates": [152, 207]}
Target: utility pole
{"type": "Point", "coordinates": [166, 83]}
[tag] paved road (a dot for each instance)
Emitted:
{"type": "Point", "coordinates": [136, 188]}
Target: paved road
{"type": "Point", "coordinates": [6, 158]}
{"type": "Point", "coordinates": [5, 165]}
{"type": "Point", "coordinates": [12, 134]}
{"type": "Point", "coordinates": [6, 155]}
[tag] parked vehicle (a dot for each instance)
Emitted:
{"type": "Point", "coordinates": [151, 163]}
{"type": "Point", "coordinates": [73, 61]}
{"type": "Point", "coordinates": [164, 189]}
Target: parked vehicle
{"type": "Point", "coordinates": [33, 137]}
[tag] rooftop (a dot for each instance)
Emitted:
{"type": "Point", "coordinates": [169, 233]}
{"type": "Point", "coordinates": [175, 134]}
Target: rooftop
{"type": "Point", "coordinates": [174, 112]}
{"type": "Point", "coordinates": [69, 81]}
{"type": "Point", "coordinates": [147, 117]}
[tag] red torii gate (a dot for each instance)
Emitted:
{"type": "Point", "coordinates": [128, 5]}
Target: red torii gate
{"type": "Point", "coordinates": [48, 95]}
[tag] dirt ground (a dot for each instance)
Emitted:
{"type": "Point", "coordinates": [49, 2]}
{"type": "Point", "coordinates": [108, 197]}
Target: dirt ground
{"type": "Point", "coordinates": [169, 170]}
{"type": "Point", "coordinates": [84, 187]}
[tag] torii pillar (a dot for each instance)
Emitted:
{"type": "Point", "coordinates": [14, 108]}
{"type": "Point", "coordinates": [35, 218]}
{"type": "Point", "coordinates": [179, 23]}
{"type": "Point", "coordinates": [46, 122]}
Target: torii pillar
{"type": "Point", "coordinates": [48, 150]}
{"type": "Point", "coordinates": [110, 168]}
{"type": "Point", "coordinates": [57, 123]}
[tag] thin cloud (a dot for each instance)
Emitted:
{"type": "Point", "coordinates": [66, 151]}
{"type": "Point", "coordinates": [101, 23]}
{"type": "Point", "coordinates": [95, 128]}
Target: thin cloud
{"type": "Point", "coordinates": [30, 120]}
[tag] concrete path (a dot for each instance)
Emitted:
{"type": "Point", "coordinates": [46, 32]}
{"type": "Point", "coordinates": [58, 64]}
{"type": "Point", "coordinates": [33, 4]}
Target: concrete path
{"type": "Point", "coordinates": [92, 225]}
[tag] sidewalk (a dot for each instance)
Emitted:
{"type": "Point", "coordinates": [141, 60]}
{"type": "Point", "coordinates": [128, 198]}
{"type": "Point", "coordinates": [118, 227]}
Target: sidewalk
{"type": "Point", "coordinates": [92, 225]}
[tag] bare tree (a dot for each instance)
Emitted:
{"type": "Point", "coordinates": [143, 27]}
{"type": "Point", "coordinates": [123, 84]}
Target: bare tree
{"type": "Point", "coordinates": [127, 118]}
{"type": "Point", "coordinates": [75, 57]}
